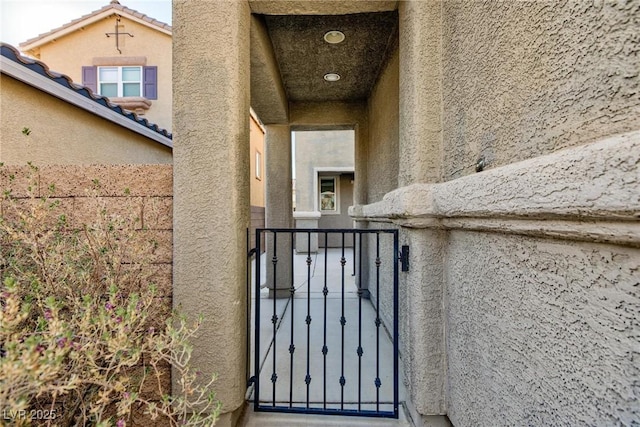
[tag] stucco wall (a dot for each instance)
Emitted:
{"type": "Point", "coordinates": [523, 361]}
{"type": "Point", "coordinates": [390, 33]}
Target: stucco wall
{"type": "Point", "coordinates": [539, 262]}
{"type": "Point", "coordinates": [523, 79]}
{"type": "Point", "coordinates": [212, 188]}
{"type": "Point", "coordinates": [382, 165]}
{"type": "Point", "coordinates": [382, 151]}
{"type": "Point", "coordinates": [343, 220]}
{"type": "Point", "coordinates": [61, 133]}
{"type": "Point", "coordinates": [541, 332]}
{"type": "Point", "coordinates": [71, 52]}
{"type": "Point", "coordinates": [319, 149]}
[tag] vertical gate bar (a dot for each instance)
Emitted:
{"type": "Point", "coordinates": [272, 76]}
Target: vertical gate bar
{"type": "Point", "coordinates": [274, 318]}
{"type": "Point", "coordinates": [292, 347]}
{"type": "Point", "coordinates": [395, 324]}
{"type": "Point", "coordinates": [359, 351]}
{"type": "Point", "coordinates": [256, 345]}
{"type": "Point", "coordinates": [325, 291]}
{"type": "Point", "coordinates": [307, 379]}
{"type": "Point", "coordinates": [377, 381]}
{"type": "Point", "coordinates": [343, 321]}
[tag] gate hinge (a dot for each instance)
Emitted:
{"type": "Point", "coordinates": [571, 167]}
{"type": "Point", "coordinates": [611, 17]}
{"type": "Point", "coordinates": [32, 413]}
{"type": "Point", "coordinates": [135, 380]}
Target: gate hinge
{"type": "Point", "coordinates": [404, 258]}
{"type": "Point", "coordinates": [252, 252]}
{"type": "Point", "coordinates": [251, 381]}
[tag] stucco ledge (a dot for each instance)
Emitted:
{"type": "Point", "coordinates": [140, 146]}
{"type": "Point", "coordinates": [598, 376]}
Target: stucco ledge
{"type": "Point", "coordinates": [302, 215]}
{"type": "Point", "coordinates": [585, 193]}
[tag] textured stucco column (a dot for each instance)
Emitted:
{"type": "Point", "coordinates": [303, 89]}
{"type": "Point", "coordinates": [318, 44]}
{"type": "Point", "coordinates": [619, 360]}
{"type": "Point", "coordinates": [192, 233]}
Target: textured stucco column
{"type": "Point", "coordinates": [361, 197]}
{"type": "Point", "coordinates": [420, 158]}
{"type": "Point", "coordinates": [279, 209]}
{"type": "Point", "coordinates": [361, 144]}
{"type": "Point", "coordinates": [211, 187]}
{"type": "Point", "coordinates": [422, 293]}
{"type": "Point", "coordinates": [420, 92]}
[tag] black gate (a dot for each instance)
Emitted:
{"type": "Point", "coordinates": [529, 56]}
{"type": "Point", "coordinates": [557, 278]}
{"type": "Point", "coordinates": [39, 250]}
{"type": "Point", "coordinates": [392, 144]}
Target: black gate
{"type": "Point", "coordinates": [326, 327]}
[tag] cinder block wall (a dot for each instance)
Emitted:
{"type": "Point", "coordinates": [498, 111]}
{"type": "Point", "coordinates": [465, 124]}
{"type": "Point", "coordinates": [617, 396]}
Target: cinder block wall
{"type": "Point", "coordinates": [141, 190]}
{"type": "Point", "coordinates": [125, 189]}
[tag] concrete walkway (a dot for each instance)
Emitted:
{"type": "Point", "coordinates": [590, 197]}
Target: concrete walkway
{"type": "Point", "coordinates": [324, 390]}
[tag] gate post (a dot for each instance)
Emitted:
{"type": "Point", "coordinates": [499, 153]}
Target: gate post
{"type": "Point", "coordinates": [419, 161]}
{"type": "Point", "coordinates": [278, 213]}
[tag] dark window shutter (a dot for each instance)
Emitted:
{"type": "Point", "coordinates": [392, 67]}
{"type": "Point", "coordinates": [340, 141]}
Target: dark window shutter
{"type": "Point", "coordinates": [90, 78]}
{"type": "Point", "coordinates": [150, 82]}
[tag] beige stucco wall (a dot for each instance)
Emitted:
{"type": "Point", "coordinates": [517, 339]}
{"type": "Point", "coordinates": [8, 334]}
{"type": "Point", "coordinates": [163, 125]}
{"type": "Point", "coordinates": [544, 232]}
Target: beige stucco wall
{"type": "Point", "coordinates": [539, 263]}
{"type": "Point", "coordinates": [420, 291]}
{"type": "Point", "coordinates": [382, 150]}
{"type": "Point", "coordinates": [541, 332]}
{"type": "Point", "coordinates": [61, 133]}
{"type": "Point", "coordinates": [346, 184]}
{"type": "Point", "coordinates": [70, 53]}
{"type": "Point", "coordinates": [325, 150]}
{"type": "Point", "coordinates": [524, 79]}
{"type": "Point", "coordinates": [212, 188]}
{"type": "Point", "coordinates": [537, 311]}
{"type": "Point", "coordinates": [382, 163]}
{"type": "Point", "coordinates": [256, 141]}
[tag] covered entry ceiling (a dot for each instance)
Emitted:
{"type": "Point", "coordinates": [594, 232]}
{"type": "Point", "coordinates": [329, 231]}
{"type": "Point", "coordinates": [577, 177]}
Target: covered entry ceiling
{"type": "Point", "coordinates": [304, 57]}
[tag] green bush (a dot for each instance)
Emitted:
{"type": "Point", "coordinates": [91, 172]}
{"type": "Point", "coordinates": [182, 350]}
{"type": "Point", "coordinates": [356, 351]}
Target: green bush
{"type": "Point", "coordinates": [80, 340]}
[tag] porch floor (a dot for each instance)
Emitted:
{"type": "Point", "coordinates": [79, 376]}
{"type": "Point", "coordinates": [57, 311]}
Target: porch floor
{"type": "Point", "coordinates": [324, 385]}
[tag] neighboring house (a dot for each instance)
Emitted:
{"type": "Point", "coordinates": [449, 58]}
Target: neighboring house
{"type": "Point", "coordinates": [126, 56]}
{"type": "Point", "coordinates": [117, 52]}
{"type": "Point", "coordinates": [324, 182]}
{"type": "Point", "coordinates": [48, 119]}
{"type": "Point", "coordinates": [256, 142]}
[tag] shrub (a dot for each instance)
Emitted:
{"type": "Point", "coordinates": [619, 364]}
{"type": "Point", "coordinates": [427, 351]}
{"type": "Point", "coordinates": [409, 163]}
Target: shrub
{"type": "Point", "coordinates": [80, 342]}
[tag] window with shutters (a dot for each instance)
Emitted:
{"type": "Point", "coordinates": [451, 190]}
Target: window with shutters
{"type": "Point", "coordinates": [122, 81]}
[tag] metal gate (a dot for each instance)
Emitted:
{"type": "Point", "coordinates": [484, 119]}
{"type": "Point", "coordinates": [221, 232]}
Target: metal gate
{"type": "Point", "coordinates": [326, 322]}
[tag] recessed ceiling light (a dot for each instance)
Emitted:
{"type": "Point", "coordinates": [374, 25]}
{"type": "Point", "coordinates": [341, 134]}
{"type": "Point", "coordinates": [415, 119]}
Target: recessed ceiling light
{"type": "Point", "coordinates": [332, 77]}
{"type": "Point", "coordinates": [334, 37]}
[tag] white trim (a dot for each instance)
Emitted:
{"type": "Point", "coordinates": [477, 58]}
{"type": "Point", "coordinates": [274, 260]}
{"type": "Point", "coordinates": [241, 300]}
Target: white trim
{"type": "Point", "coordinates": [49, 86]}
{"type": "Point", "coordinates": [336, 189]}
{"type": "Point", "coordinates": [258, 165]}
{"type": "Point", "coordinates": [327, 169]}
{"type": "Point", "coordinates": [257, 120]}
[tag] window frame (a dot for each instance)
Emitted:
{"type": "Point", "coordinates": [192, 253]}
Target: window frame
{"type": "Point", "coordinates": [120, 81]}
{"type": "Point", "coordinates": [336, 196]}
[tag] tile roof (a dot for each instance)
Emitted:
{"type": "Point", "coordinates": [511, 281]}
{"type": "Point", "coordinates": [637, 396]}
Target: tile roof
{"type": "Point", "coordinates": [41, 68]}
{"type": "Point", "coordinates": [116, 6]}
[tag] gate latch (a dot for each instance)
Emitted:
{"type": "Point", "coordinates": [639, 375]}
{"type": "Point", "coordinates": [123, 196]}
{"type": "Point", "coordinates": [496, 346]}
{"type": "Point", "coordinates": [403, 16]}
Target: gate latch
{"type": "Point", "coordinates": [404, 258]}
